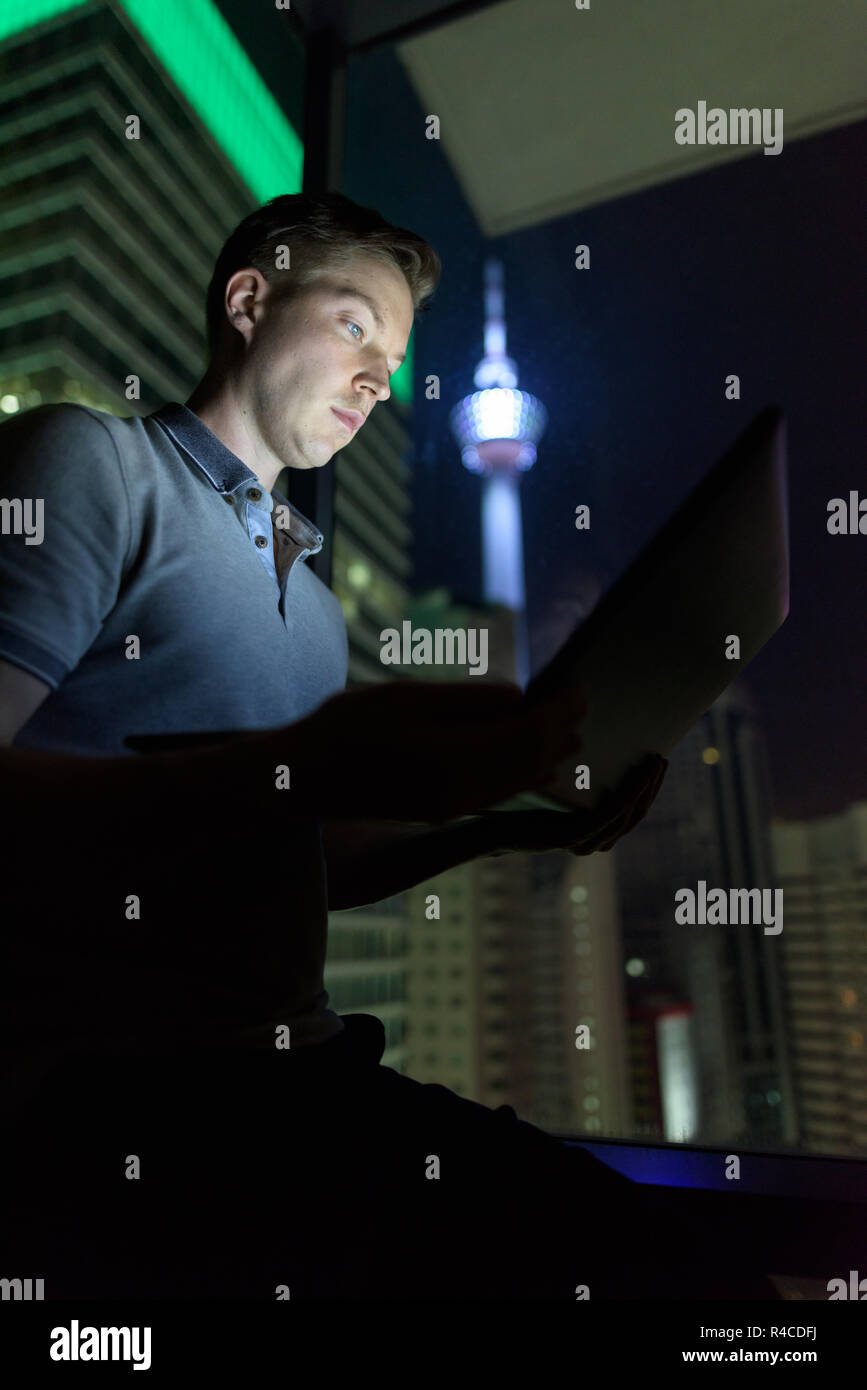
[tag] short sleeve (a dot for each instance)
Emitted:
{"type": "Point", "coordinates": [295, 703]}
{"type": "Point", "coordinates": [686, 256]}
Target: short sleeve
{"type": "Point", "coordinates": [65, 538]}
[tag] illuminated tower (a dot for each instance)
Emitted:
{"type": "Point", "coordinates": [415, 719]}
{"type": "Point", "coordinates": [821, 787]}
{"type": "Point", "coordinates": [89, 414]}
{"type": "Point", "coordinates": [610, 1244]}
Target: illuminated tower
{"type": "Point", "coordinates": [497, 429]}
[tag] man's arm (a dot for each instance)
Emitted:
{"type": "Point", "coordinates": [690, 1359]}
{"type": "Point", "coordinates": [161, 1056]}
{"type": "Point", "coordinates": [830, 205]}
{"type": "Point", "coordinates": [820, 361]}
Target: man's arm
{"type": "Point", "coordinates": [21, 694]}
{"type": "Point", "coordinates": [72, 802]}
{"type": "Point", "coordinates": [368, 861]}
{"type": "Point", "coordinates": [56, 799]}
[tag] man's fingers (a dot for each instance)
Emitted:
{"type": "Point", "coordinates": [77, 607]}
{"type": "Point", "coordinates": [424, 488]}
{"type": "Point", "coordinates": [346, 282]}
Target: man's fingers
{"type": "Point", "coordinates": [645, 774]}
{"type": "Point", "coordinates": [634, 814]}
{"type": "Point", "coordinates": [633, 818]}
{"type": "Point", "coordinates": [615, 832]}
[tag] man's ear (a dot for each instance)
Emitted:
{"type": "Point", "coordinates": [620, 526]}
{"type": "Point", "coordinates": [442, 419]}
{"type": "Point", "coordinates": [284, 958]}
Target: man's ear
{"type": "Point", "coordinates": [246, 290]}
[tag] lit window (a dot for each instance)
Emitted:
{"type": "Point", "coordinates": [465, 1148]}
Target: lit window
{"type": "Point", "coordinates": [359, 576]}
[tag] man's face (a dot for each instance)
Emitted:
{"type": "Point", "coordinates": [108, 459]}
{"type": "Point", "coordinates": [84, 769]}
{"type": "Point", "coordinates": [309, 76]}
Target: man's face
{"type": "Point", "coordinates": [324, 351]}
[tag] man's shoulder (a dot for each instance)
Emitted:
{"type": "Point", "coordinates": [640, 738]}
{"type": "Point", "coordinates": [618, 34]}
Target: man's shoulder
{"type": "Point", "coordinates": [64, 434]}
{"type": "Point", "coordinates": [57, 418]}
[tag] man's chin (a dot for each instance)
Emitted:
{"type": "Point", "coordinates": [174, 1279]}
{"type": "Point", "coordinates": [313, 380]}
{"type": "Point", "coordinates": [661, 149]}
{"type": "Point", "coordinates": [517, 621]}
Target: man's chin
{"type": "Point", "coordinates": [307, 463]}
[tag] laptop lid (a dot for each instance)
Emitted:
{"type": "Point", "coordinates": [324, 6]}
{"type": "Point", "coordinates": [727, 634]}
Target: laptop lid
{"type": "Point", "coordinates": [682, 622]}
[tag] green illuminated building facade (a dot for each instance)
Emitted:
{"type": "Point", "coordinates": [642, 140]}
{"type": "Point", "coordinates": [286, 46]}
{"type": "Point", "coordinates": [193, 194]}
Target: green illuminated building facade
{"type": "Point", "coordinates": [106, 243]}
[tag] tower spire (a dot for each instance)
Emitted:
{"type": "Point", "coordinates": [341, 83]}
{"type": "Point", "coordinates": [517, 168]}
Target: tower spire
{"type": "Point", "coordinates": [497, 428]}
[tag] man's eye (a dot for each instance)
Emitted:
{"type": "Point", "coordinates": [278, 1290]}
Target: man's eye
{"type": "Point", "coordinates": [350, 324]}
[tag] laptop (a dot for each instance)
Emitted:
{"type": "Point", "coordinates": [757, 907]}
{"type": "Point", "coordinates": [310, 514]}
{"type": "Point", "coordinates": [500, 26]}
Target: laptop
{"type": "Point", "coordinates": [652, 654]}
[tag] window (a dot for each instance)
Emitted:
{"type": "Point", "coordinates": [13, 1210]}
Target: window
{"type": "Point", "coordinates": [737, 1022]}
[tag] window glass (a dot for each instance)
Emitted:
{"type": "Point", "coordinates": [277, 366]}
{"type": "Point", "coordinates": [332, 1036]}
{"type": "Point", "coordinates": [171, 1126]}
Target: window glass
{"type": "Point", "coordinates": [663, 275]}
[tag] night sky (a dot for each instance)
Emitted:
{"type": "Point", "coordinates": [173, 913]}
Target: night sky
{"type": "Point", "coordinates": [754, 268]}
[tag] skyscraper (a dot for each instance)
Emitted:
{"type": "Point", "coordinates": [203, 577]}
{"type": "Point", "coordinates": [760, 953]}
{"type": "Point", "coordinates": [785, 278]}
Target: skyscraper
{"type": "Point", "coordinates": [711, 821]}
{"type": "Point", "coordinates": [120, 186]}
{"type": "Point", "coordinates": [822, 867]}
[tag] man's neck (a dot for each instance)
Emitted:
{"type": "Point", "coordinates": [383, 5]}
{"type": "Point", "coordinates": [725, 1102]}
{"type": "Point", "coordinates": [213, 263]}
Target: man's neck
{"type": "Point", "coordinates": [223, 410]}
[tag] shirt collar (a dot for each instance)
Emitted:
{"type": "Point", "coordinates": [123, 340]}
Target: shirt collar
{"type": "Point", "coordinates": [224, 470]}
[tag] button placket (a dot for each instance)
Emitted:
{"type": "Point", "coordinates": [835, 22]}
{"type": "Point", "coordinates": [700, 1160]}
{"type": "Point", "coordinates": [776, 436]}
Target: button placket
{"type": "Point", "coordinates": [255, 516]}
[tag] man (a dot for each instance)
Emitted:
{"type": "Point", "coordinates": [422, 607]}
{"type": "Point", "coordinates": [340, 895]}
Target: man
{"type": "Point", "coordinates": [170, 594]}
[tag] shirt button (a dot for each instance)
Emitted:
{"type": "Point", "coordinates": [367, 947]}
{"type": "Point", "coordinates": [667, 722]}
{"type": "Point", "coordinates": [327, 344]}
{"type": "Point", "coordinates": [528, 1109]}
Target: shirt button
{"type": "Point", "coordinates": [227, 498]}
{"type": "Point", "coordinates": [260, 541]}
{"type": "Point", "coordinates": [254, 494]}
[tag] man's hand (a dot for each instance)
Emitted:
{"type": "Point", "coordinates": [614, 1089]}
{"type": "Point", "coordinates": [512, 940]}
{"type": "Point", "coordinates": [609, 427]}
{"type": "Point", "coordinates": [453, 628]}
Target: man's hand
{"type": "Point", "coordinates": [579, 832]}
{"type": "Point", "coordinates": [368, 861]}
{"type": "Point", "coordinates": [417, 751]}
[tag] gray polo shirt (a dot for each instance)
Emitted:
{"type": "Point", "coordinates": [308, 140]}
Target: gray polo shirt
{"type": "Point", "coordinates": [137, 578]}
{"type": "Point", "coordinates": [155, 531]}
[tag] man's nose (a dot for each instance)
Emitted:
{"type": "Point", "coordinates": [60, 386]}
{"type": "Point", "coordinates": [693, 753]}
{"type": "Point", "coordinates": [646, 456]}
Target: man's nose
{"type": "Point", "coordinates": [380, 387]}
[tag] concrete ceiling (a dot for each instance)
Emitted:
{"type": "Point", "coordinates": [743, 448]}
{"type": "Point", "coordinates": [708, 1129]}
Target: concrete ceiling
{"type": "Point", "coordinates": [546, 109]}
{"type": "Point", "coordinates": [360, 24]}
